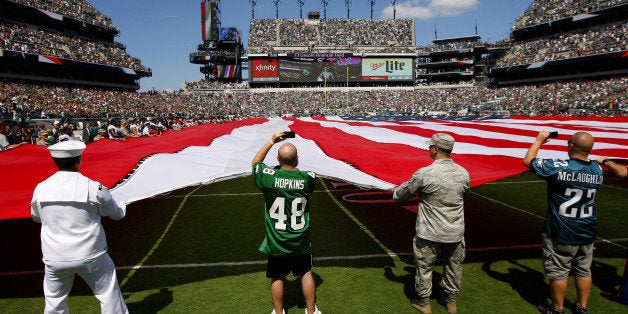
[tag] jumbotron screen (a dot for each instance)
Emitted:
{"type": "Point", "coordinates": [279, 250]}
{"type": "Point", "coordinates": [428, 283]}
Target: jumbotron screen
{"type": "Point", "coordinates": [331, 68]}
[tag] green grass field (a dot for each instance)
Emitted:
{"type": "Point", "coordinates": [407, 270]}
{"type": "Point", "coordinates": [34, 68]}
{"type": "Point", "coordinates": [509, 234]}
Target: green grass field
{"type": "Point", "coordinates": [195, 251]}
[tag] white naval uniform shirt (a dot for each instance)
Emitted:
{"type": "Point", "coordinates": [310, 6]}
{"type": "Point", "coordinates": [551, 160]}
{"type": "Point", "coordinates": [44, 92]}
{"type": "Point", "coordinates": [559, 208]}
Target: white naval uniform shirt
{"type": "Point", "coordinates": [70, 206]}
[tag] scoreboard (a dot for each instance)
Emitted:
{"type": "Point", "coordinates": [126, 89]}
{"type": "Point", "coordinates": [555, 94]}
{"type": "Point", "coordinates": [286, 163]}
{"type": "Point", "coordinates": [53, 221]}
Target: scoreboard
{"type": "Point", "coordinates": [329, 68]}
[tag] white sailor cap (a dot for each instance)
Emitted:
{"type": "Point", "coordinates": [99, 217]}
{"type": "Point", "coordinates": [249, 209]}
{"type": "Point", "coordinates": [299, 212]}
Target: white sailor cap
{"type": "Point", "coordinates": [66, 149]}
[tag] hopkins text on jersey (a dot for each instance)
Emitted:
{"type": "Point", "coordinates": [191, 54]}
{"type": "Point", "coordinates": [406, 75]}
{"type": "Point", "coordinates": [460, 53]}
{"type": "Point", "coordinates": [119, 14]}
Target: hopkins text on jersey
{"type": "Point", "coordinates": [282, 183]}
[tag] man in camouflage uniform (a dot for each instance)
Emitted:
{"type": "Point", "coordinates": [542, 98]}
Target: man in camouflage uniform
{"type": "Point", "coordinates": [442, 187]}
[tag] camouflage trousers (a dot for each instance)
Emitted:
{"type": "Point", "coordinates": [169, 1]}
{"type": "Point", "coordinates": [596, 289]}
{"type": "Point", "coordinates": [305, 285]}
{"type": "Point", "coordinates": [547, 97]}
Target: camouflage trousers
{"type": "Point", "coordinates": [425, 255]}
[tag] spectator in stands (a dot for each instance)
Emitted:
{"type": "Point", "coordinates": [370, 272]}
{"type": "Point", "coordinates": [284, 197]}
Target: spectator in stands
{"type": "Point", "coordinates": [101, 133]}
{"type": "Point", "coordinates": [113, 130]}
{"type": "Point", "coordinates": [42, 138]}
{"type": "Point", "coordinates": [4, 141]}
{"type": "Point", "coordinates": [67, 134]}
{"type": "Point", "coordinates": [147, 130]}
{"type": "Point", "coordinates": [134, 129]}
{"type": "Point", "coordinates": [124, 131]}
{"type": "Point", "coordinates": [86, 133]}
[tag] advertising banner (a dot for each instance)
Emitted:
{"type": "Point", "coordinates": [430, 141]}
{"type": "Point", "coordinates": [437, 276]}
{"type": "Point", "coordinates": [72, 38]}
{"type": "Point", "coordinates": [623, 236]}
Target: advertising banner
{"type": "Point", "coordinates": [330, 68]}
{"type": "Point", "coordinates": [387, 69]}
{"type": "Point", "coordinates": [265, 70]}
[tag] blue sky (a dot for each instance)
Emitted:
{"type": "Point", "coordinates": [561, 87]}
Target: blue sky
{"type": "Point", "coordinates": [163, 33]}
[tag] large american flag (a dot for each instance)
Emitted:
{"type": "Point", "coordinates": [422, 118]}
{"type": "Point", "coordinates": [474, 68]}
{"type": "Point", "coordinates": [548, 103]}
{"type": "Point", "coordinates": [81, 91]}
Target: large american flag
{"type": "Point", "coordinates": [368, 152]}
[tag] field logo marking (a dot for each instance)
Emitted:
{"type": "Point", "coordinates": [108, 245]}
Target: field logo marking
{"type": "Point", "coordinates": [158, 242]}
{"type": "Point", "coordinates": [366, 230]}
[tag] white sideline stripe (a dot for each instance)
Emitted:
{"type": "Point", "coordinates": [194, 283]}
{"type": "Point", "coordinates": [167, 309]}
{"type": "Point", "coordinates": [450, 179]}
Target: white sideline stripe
{"type": "Point", "coordinates": [324, 258]}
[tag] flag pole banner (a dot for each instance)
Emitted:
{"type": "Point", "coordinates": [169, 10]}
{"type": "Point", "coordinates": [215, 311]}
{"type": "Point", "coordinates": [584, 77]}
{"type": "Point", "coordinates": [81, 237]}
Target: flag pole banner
{"type": "Point", "coordinates": [368, 152]}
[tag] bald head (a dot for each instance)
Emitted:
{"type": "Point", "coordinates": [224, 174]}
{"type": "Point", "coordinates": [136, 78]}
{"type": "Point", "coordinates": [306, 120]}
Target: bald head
{"type": "Point", "coordinates": [582, 142]}
{"type": "Point", "coordinates": [287, 155]}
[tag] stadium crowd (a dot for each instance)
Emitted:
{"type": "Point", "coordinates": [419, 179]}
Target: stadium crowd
{"type": "Point", "coordinates": [204, 84]}
{"type": "Point", "coordinates": [36, 40]}
{"type": "Point", "coordinates": [25, 102]}
{"type": "Point", "coordinates": [267, 34]}
{"type": "Point", "coordinates": [204, 101]}
{"type": "Point", "coordinates": [541, 11]}
{"type": "Point", "coordinates": [609, 38]}
{"type": "Point", "coordinates": [77, 9]}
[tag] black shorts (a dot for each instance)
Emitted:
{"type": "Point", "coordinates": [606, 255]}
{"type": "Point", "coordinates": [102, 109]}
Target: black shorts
{"type": "Point", "coordinates": [281, 266]}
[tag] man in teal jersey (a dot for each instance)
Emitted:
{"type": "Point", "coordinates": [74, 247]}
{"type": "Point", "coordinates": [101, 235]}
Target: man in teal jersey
{"type": "Point", "coordinates": [570, 226]}
{"type": "Point", "coordinates": [287, 243]}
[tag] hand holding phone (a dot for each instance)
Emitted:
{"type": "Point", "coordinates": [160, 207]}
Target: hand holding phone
{"type": "Point", "coordinates": [553, 134]}
{"type": "Point", "coordinates": [288, 134]}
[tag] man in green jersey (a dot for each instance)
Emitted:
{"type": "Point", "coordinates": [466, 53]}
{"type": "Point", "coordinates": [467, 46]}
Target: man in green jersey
{"type": "Point", "coordinates": [287, 243]}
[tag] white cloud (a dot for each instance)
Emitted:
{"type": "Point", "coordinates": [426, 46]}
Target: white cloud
{"type": "Point", "coordinates": [427, 9]}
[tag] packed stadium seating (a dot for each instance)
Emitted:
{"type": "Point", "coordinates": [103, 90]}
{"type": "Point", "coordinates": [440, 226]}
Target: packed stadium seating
{"type": "Point", "coordinates": [38, 40]}
{"type": "Point", "coordinates": [78, 9]}
{"type": "Point", "coordinates": [598, 40]}
{"type": "Point", "coordinates": [286, 35]}
{"type": "Point", "coordinates": [541, 11]}
{"type": "Point", "coordinates": [201, 101]}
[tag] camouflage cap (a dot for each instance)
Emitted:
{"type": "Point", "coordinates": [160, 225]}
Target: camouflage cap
{"type": "Point", "coordinates": [442, 140]}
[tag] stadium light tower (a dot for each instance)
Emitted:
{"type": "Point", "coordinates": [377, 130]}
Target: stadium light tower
{"type": "Point", "coordinates": [394, 5]}
{"type": "Point", "coordinates": [348, 4]}
{"type": "Point", "coordinates": [371, 3]}
{"type": "Point", "coordinates": [324, 2]}
{"type": "Point", "coordinates": [276, 2]}
{"type": "Point", "coordinates": [253, 3]}
{"type": "Point", "coordinates": [300, 2]}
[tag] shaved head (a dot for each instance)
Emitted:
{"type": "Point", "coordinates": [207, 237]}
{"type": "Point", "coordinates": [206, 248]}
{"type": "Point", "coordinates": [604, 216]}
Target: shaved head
{"type": "Point", "coordinates": [582, 141]}
{"type": "Point", "coordinates": [287, 155]}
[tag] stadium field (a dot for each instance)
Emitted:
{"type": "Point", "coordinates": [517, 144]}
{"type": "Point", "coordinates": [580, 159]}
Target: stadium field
{"type": "Point", "coordinates": [194, 250]}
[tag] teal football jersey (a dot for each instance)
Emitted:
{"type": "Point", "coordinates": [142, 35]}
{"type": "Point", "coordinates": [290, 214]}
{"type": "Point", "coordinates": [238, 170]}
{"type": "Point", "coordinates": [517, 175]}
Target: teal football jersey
{"type": "Point", "coordinates": [287, 212]}
{"type": "Point", "coordinates": [571, 186]}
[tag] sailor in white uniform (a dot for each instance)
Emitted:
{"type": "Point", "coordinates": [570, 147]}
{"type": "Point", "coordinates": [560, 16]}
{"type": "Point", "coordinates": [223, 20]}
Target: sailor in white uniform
{"type": "Point", "coordinates": [69, 207]}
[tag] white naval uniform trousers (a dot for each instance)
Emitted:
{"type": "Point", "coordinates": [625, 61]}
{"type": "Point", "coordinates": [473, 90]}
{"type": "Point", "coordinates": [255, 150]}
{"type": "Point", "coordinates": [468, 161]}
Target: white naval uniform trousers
{"type": "Point", "coordinates": [70, 206]}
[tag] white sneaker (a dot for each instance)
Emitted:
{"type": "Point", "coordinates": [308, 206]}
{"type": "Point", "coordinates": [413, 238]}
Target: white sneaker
{"type": "Point", "coordinates": [283, 311]}
{"type": "Point", "coordinates": [316, 311]}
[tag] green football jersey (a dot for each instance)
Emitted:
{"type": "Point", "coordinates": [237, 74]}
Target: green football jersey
{"type": "Point", "coordinates": [287, 214]}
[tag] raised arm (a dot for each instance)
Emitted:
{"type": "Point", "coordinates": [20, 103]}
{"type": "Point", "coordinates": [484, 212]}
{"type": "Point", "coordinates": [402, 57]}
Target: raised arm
{"type": "Point", "coordinates": [615, 168]}
{"type": "Point", "coordinates": [261, 154]}
{"type": "Point", "coordinates": [533, 151]}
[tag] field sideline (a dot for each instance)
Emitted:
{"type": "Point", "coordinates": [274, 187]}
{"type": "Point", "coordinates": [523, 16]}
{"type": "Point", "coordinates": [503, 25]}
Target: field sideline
{"type": "Point", "coordinates": [195, 251]}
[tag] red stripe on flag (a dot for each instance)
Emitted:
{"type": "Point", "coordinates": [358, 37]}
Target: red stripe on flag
{"type": "Point", "coordinates": [416, 129]}
{"type": "Point", "coordinates": [395, 163]}
{"type": "Point", "coordinates": [106, 161]}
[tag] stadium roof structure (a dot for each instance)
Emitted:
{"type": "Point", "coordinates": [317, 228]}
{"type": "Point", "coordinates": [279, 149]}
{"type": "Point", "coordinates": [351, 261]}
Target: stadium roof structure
{"type": "Point", "coordinates": [443, 41]}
